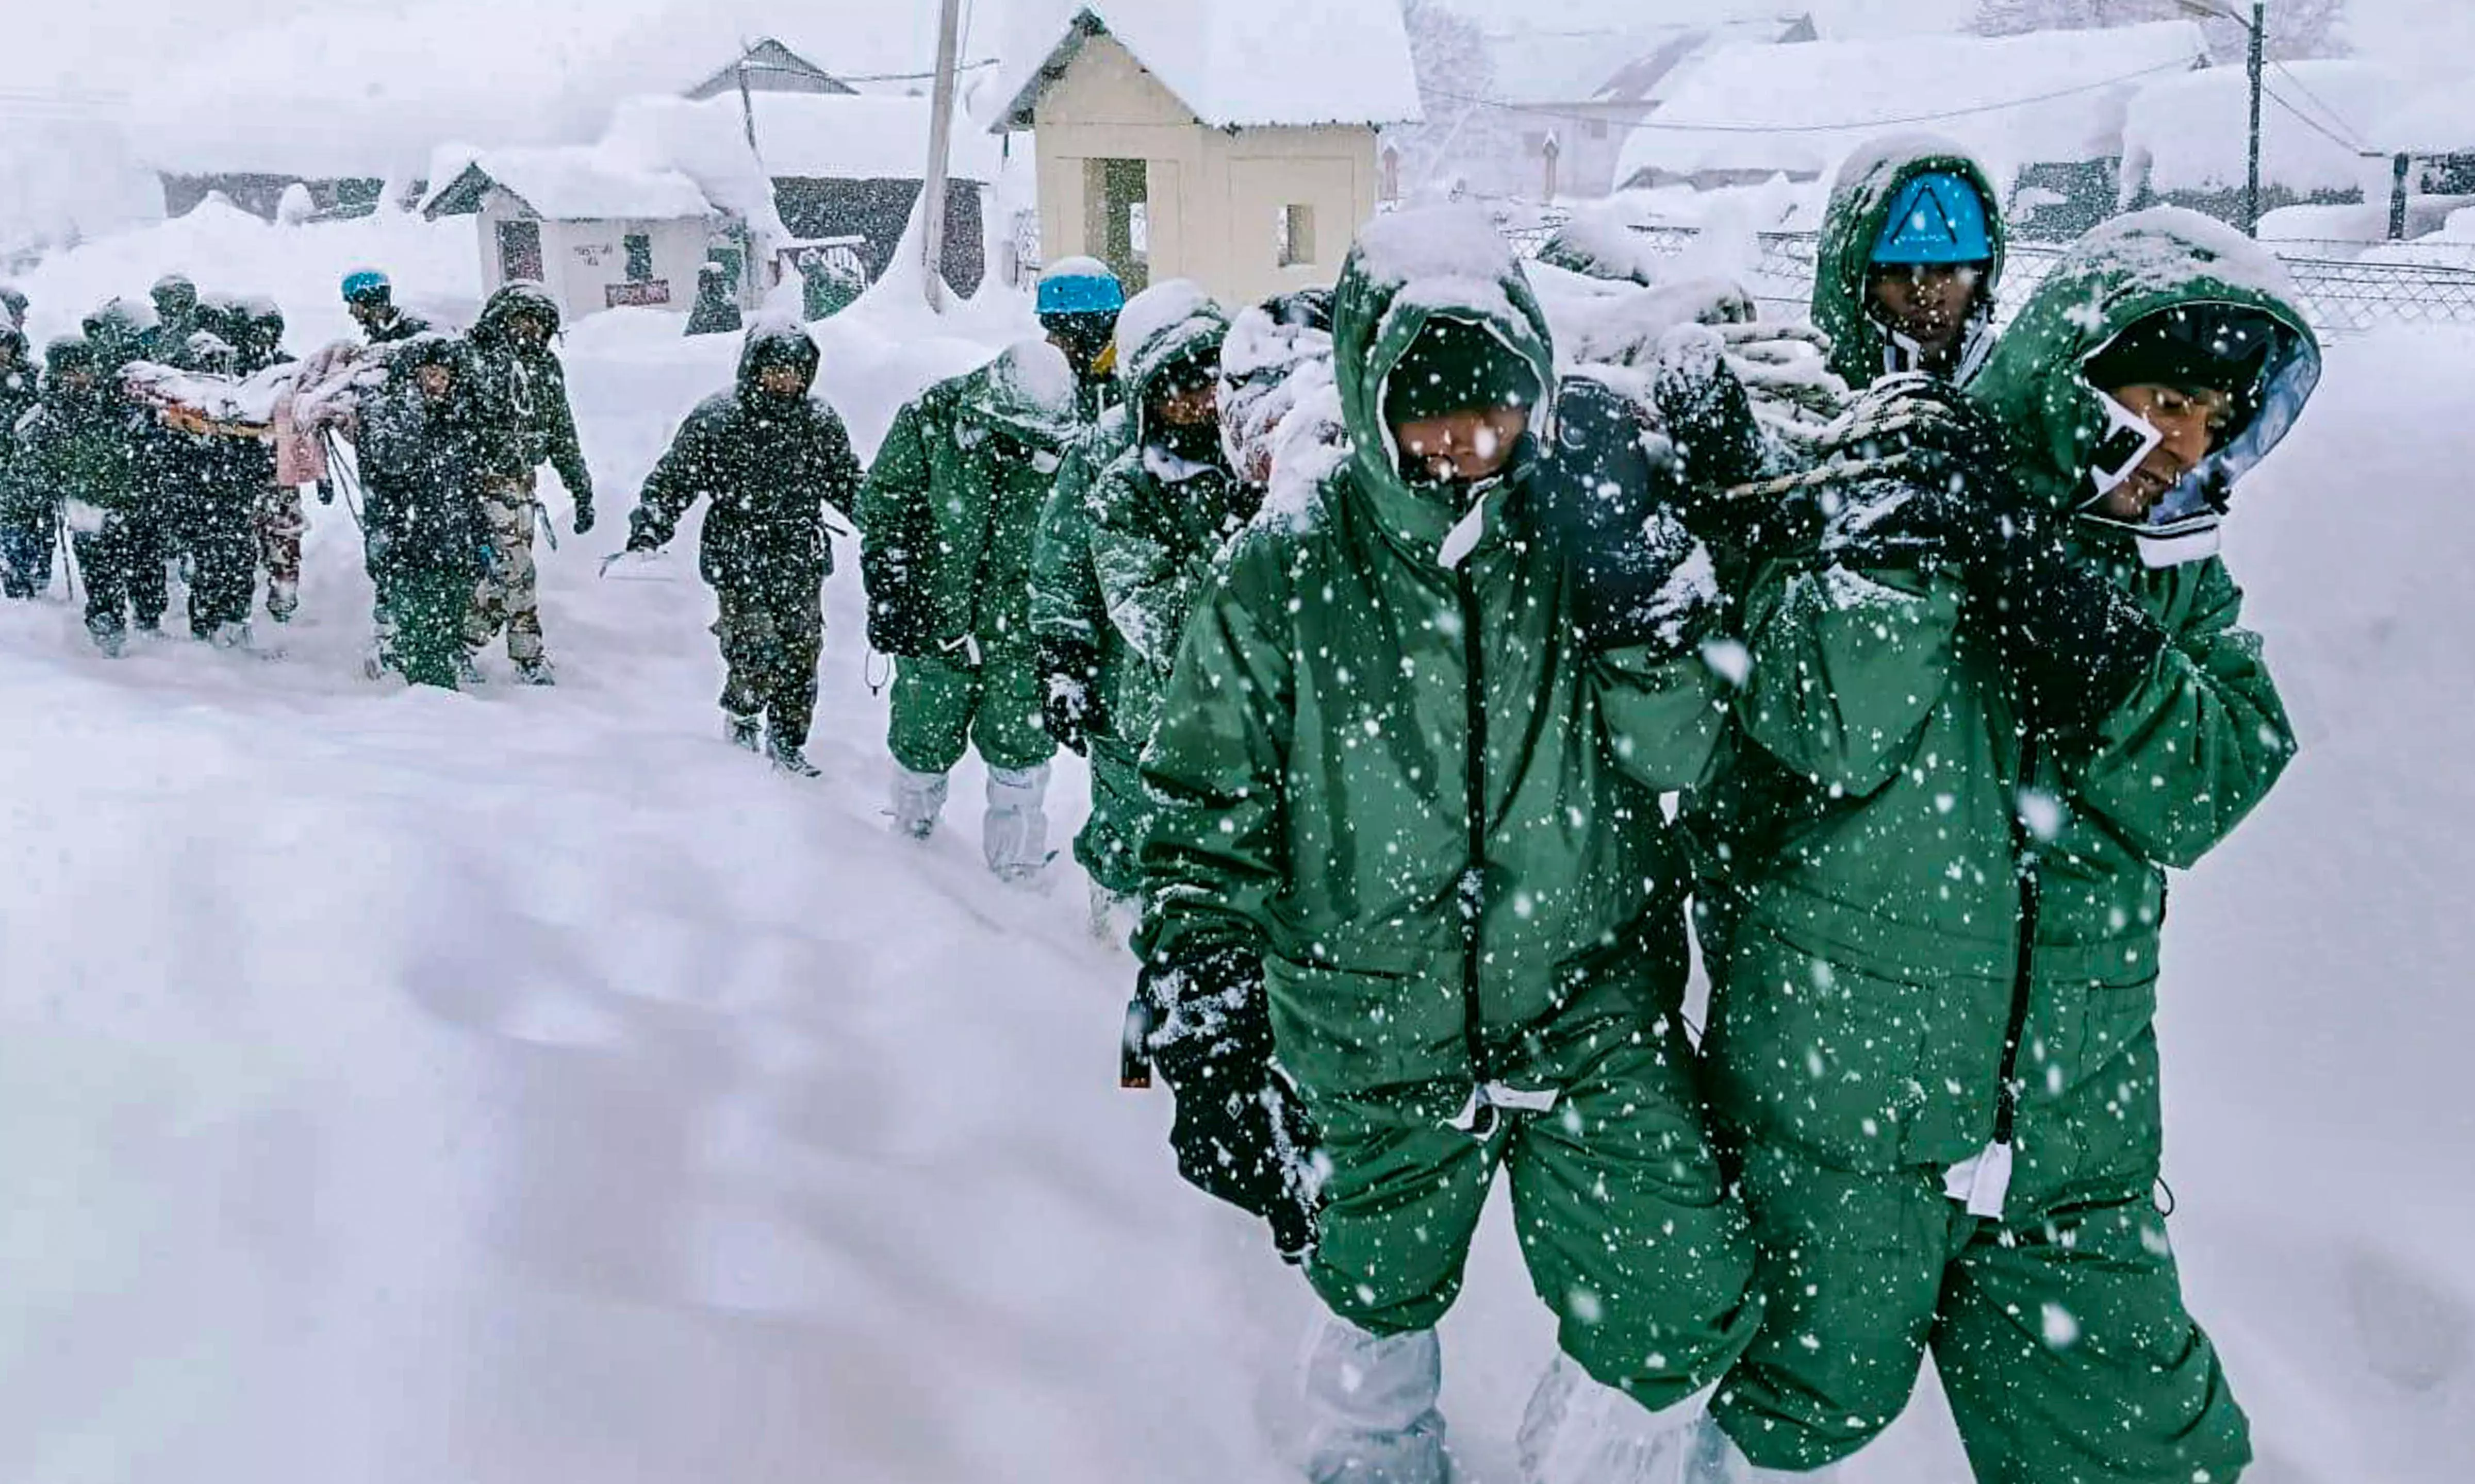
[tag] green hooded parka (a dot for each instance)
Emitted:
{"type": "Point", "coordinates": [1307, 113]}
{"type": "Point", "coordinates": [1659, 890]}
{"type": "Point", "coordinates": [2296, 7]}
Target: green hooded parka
{"type": "Point", "coordinates": [1882, 877]}
{"type": "Point", "coordinates": [947, 525]}
{"type": "Point", "coordinates": [1403, 780]}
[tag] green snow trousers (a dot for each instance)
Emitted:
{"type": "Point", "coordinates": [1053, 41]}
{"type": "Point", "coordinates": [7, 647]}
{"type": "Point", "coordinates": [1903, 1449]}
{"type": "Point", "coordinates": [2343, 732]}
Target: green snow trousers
{"type": "Point", "coordinates": [1630, 1234]}
{"type": "Point", "coordinates": [428, 604]}
{"type": "Point", "coordinates": [2062, 1338]}
{"type": "Point", "coordinates": [939, 708]}
{"type": "Point", "coordinates": [1111, 843]}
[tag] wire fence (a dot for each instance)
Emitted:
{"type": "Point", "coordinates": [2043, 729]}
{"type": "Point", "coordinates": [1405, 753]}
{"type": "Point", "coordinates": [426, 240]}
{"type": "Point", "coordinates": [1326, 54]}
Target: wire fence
{"type": "Point", "coordinates": [2341, 294]}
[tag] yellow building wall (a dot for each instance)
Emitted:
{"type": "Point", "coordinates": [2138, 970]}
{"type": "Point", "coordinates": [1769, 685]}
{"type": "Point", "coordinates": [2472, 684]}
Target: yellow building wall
{"type": "Point", "coordinates": [1215, 197]}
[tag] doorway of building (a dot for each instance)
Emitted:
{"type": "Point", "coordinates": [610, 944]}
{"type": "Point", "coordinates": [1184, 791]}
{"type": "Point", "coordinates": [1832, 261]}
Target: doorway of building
{"type": "Point", "coordinates": [520, 251]}
{"type": "Point", "coordinates": [1116, 218]}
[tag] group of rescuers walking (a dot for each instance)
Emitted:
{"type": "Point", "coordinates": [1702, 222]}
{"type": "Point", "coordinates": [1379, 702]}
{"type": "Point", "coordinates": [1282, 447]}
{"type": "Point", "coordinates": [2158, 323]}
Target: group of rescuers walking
{"type": "Point", "coordinates": [1381, 731]}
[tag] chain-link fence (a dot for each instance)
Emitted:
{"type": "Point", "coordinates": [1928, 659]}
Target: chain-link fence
{"type": "Point", "coordinates": [2340, 293]}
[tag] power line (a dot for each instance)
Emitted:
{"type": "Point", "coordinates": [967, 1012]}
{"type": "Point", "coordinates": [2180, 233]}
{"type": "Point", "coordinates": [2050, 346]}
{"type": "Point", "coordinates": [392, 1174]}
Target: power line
{"type": "Point", "coordinates": [2341, 119]}
{"type": "Point", "coordinates": [1654, 126]}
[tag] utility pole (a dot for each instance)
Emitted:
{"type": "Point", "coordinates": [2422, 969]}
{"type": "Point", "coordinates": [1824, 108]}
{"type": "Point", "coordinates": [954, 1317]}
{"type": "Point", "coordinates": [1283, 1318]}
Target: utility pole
{"type": "Point", "coordinates": [940, 132]}
{"type": "Point", "coordinates": [2259, 51]}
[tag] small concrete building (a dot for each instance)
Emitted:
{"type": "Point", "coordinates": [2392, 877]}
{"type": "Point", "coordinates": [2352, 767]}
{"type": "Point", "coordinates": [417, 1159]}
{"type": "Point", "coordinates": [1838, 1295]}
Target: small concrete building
{"type": "Point", "coordinates": [594, 230]}
{"type": "Point", "coordinates": [1228, 141]}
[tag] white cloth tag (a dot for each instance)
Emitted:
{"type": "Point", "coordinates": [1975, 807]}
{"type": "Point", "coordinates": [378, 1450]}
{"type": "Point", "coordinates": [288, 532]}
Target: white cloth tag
{"type": "Point", "coordinates": [1462, 539]}
{"type": "Point", "coordinates": [1982, 1180]}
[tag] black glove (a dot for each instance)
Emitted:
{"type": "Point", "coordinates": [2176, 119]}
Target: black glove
{"type": "Point", "coordinates": [1708, 415]}
{"type": "Point", "coordinates": [326, 492]}
{"type": "Point", "coordinates": [1608, 508]}
{"type": "Point", "coordinates": [585, 512]}
{"type": "Point", "coordinates": [1240, 1133]}
{"type": "Point", "coordinates": [2072, 644]}
{"type": "Point", "coordinates": [1070, 696]}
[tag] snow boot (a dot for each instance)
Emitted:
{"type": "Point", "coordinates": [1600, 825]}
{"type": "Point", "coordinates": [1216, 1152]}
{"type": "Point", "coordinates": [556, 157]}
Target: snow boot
{"type": "Point", "coordinates": [743, 732]}
{"type": "Point", "coordinates": [789, 758]}
{"type": "Point", "coordinates": [1578, 1430]}
{"type": "Point", "coordinates": [468, 670]}
{"type": "Point", "coordinates": [918, 799]}
{"type": "Point", "coordinates": [1109, 911]}
{"type": "Point", "coordinates": [230, 634]}
{"type": "Point", "coordinates": [1014, 835]}
{"type": "Point", "coordinates": [535, 671]}
{"type": "Point", "coordinates": [109, 637]}
{"type": "Point", "coordinates": [281, 608]}
{"type": "Point", "coordinates": [1370, 1407]}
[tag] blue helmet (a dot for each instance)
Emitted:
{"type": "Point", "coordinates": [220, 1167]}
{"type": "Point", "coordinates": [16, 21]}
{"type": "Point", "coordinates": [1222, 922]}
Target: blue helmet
{"type": "Point", "coordinates": [1081, 286]}
{"type": "Point", "coordinates": [1936, 218]}
{"type": "Point", "coordinates": [365, 285]}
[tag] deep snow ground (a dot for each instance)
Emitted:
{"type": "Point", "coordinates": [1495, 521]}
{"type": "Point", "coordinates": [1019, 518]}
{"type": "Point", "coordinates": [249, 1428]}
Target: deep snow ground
{"type": "Point", "coordinates": [521, 1085]}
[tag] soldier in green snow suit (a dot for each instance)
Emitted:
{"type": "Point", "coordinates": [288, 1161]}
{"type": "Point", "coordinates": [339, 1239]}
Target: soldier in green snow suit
{"type": "Point", "coordinates": [1079, 660]}
{"type": "Point", "coordinates": [1150, 526]}
{"type": "Point", "coordinates": [1911, 258]}
{"type": "Point", "coordinates": [947, 524]}
{"type": "Point", "coordinates": [1408, 767]}
{"type": "Point", "coordinates": [1934, 1037]}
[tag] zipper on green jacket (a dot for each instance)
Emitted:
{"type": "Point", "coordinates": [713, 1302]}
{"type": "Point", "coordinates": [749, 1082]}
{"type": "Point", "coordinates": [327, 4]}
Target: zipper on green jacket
{"type": "Point", "coordinates": [1473, 883]}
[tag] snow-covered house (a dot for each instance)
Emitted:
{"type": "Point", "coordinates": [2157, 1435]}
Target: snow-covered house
{"type": "Point", "coordinates": [1228, 141]}
{"type": "Point", "coordinates": [768, 66]}
{"type": "Point", "coordinates": [1571, 97]}
{"type": "Point", "coordinates": [2045, 111]}
{"type": "Point", "coordinates": [598, 230]}
{"type": "Point", "coordinates": [2187, 138]}
{"type": "Point", "coordinates": [832, 167]}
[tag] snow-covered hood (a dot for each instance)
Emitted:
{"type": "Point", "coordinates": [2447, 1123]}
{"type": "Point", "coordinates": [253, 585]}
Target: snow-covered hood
{"type": "Point", "coordinates": [1405, 270]}
{"type": "Point", "coordinates": [2119, 274]}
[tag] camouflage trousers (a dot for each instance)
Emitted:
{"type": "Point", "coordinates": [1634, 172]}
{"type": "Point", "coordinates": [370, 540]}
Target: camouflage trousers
{"type": "Point", "coordinates": [279, 523]}
{"type": "Point", "coordinates": [772, 636]}
{"type": "Point", "coordinates": [509, 596]}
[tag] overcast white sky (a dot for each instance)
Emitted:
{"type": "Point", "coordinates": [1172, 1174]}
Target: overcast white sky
{"type": "Point", "coordinates": [108, 45]}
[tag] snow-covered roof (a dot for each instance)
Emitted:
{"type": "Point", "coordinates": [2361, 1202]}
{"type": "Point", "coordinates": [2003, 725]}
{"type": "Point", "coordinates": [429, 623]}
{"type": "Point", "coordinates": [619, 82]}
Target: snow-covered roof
{"type": "Point", "coordinates": [1539, 67]}
{"type": "Point", "coordinates": [808, 135]}
{"type": "Point", "coordinates": [2432, 113]}
{"type": "Point", "coordinates": [2192, 133]}
{"type": "Point", "coordinates": [2044, 96]}
{"type": "Point", "coordinates": [571, 184]}
{"type": "Point", "coordinates": [369, 89]}
{"type": "Point", "coordinates": [1232, 63]}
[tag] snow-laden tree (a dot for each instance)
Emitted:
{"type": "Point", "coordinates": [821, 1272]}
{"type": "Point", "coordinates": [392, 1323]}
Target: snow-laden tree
{"type": "Point", "coordinates": [2297, 27]}
{"type": "Point", "coordinates": [1455, 83]}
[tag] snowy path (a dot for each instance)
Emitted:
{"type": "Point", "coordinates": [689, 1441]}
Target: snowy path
{"type": "Point", "coordinates": [522, 1086]}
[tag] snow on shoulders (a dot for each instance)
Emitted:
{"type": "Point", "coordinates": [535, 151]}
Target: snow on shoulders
{"type": "Point", "coordinates": [1039, 374]}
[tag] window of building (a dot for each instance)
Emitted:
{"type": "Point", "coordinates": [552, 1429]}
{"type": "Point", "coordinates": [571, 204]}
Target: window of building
{"type": "Point", "coordinates": [640, 256]}
{"type": "Point", "coordinates": [1296, 226]}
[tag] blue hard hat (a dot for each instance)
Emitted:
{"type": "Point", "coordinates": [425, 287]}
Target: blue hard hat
{"type": "Point", "coordinates": [1936, 218]}
{"type": "Point", "coordinates": [366, 283]}
{"type": "Point", "coordinates": [1082, 293]}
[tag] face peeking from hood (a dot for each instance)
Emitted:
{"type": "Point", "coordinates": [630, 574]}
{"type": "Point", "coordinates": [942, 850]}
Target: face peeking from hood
{"type": "Point", "coordinates": [1905, 195]}
{"type": "Point", "coordinates": [788, 353]}
{"type": "Point", "coordinates": [2122, 306]}
{"type": "Point", "coordinates": [1440, 292]}
{"type": "Point", "coordinates": [1169, 341]}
